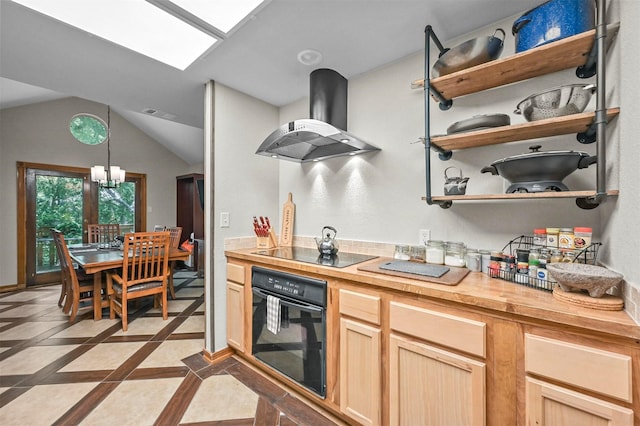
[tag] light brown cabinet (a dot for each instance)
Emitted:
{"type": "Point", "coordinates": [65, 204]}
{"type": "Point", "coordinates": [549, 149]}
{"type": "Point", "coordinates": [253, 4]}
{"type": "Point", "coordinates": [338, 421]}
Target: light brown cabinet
{"type": "Point", "coordinates": [235, 306]}
{"type": "Point", "coordinates": [400, 352]}
{"type": "Point", "coordinates": [574, 366]}
{"type": "Point", "coordinates": [430, 383]}
{"type": "Point", "coordinates": [436, 386]}
{"type": "Point", "coordinates": [360, 357]}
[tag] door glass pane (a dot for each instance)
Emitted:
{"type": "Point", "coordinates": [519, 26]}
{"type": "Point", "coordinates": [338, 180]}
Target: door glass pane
{"type": "Point", "coordinates": [59, 205]}
{"type": "Point", "coordinates": [118, 205]}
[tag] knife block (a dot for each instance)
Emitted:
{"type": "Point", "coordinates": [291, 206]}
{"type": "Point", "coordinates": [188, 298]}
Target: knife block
{"type": "Point", "coordinates": [264, 243]}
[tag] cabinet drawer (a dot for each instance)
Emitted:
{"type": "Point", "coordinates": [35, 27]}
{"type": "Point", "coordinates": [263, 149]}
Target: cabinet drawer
{"type": "Point", "coordinates": [235, 273]}
{"type": "Point", "coordinates": [361, 306]}
{"type": "Point", "coordinates": [601, 371]}
{"type": "Point", "coordinates": [455, 332]}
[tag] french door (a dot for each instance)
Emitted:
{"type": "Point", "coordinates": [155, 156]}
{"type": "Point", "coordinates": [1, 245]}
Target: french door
{"type": "Point", "coordinates": [64, 198]}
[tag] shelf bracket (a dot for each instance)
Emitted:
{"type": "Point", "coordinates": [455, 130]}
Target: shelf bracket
{"type": "Point", "coordinates": [445, 103]}
{"type": "Point", "coordinates": [589, 68]}
{"type": "Point", "coordinates": [590, 203]}
{"type": "Point", "coordinates": [589, 135]}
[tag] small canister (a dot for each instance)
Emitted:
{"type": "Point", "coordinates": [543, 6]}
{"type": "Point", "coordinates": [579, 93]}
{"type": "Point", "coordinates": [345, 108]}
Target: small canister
{"type": "Point", "coordinates": [565, 238]}
{"type": "Point", "coordinates": [454, 253]}
{"type": "Point", "coordinates": [552, 237]}
{"type": "Point", "coordinates": [473, 260]}
{"type": "Point", "coordinates": [486, 259]}
{"type": "Point", "coordinates": [582, 237]}
{"type": "Point", "coordinates": [435, 252]}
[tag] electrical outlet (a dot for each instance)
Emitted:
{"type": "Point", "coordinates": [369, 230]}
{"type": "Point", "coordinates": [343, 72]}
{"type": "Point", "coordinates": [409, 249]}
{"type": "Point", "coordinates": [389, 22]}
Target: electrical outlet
{"type": "Point", "coordinates": [224, 220]}
{"type": "Point", "coordinates": [424, 235]}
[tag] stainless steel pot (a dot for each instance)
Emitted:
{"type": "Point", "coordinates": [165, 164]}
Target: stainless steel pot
{"type": "Point", "coordinates": [557, 102]}
{"type": "Point", "coordinates": [539, 171]}
{"type": "Point", "coordinates": [469, 54]}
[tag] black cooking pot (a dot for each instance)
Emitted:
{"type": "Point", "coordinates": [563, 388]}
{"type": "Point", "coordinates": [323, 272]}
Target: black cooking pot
{"type": "Point", "coordinates": [539, 171]}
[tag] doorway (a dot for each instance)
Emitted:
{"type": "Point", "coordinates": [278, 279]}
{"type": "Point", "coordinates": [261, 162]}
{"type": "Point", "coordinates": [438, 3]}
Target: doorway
{"type": "Point", "coordinates": [51, 196]}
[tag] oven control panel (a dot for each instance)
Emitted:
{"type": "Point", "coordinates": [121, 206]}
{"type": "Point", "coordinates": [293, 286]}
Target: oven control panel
{"type": "Point", "coordinates": [295, 286]}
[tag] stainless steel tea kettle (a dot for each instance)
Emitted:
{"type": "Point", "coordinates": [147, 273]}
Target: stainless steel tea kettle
{"type": "Point", "coordinates": [327, 244]}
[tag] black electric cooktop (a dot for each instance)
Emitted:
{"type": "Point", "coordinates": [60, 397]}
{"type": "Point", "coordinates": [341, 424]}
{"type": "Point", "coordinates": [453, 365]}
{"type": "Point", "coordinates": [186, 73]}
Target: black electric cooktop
{"type": "Point", "coordinates": [308, 255]}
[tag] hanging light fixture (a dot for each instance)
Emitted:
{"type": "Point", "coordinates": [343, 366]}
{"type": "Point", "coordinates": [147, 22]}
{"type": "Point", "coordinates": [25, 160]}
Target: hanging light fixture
{"type": "Point", "coordinates": [92, 130]}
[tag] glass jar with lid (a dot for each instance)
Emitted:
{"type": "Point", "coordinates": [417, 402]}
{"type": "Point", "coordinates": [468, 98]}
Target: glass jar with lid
{"type": "Point", "coordinates": [540, 237]}
{"type": "Point", "coordinates": [566, 238]}
{"type": "Point", "coordinates": [473, 260]}
{"type": "Point", "coordinates": [454, 253]}
{"type": "Point", "coordinates": [556, 256]}
{"type": "Point", "coordinates": [402, 252]}
{"type": "Point", "coordinates": [552, 237]}
{"type": "Point", "coordinates": [435, 252]}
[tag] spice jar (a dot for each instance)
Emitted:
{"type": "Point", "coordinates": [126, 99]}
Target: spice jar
{"type": "Point", "coordinates": [435, 252]}
{"type": "Point", "coordinates": [540, 237]}
{"type": "Point", "coordinates": [565, 238]}
{"type": "Point", "coordinates": [582, 237]}
{"type": "Point", "coordinates": [552, 237]}
{"type": "Point", "coordinates": [569, 257]}
{"type": "Point", "coordinates": [494, 264]}
{"type": "Point", "coordinates": [556, 256]}
{"type": "Point", "coordinates": [454, 253]}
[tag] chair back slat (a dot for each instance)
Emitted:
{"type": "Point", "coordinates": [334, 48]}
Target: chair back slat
{"type": "Point", "coordinates": [147, 257]}
{"type": "Point", "coordinates": [175, 233]}
{"type": "Point", "coordinates": [103, 233]}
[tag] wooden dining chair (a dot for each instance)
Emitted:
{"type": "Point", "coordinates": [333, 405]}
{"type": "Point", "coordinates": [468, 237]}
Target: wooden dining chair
{"type": "Point", "coordinates": [145, 271]}
{"type": "Point", "coordinates": [175, 233]}
{"type": "Point", "coordinates": [75, 290]}
{"type": "Point", "coordinates": [103, 233]}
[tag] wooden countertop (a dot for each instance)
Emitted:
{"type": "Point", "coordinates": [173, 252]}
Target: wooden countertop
{"type": "Point", "coordinates": [476, 290]}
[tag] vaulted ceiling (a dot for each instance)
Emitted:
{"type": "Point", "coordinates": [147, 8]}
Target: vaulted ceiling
{"type": "Point", "coordinates": [41, 58]}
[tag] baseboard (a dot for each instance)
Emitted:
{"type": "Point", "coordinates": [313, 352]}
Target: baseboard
{"type": "Point", "coordinates": [218, 355]}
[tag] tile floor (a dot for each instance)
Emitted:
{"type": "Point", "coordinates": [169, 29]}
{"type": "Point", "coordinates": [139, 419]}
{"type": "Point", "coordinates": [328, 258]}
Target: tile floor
{"type": "Point", "coordinates": [53, 372]}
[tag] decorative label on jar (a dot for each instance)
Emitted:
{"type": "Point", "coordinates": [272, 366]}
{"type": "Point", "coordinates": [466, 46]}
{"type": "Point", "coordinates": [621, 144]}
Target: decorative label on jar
{"type": "Point", "coordinates": [566, 239]}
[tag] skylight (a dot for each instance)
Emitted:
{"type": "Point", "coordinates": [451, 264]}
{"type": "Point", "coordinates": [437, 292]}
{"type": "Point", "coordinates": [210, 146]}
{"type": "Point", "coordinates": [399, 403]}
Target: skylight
{"type": "Point", "coordinates": [222, 14]}
{"type": "Point", "coordinates": [144, 28]}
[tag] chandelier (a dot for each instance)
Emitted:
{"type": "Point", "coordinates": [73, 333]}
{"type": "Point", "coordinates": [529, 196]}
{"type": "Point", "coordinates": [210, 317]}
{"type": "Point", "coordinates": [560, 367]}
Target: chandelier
{"type": "Point", "coordinates": [92, 130]}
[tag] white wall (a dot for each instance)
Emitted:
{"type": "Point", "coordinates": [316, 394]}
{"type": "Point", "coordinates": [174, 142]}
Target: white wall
{"type": "Point", "coordinates": [377, 197]}
{"type": "Point", "coordinates": [39, 133]}
{"type": "Point", "coordinates": [246, 185]}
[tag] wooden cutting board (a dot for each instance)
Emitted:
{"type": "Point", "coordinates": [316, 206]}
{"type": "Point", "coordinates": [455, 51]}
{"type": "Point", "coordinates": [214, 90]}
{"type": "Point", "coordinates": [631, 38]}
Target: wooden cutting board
{"type": "Point", "coordinates": [453, 277]}
{"type": "Point", "coordinates": [288, 216]}
{"type": "Point", "coordinates": [604, 303]}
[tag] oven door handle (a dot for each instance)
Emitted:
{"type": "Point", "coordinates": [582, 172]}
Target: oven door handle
{"type": "Point", "coordinates": [288, 302]}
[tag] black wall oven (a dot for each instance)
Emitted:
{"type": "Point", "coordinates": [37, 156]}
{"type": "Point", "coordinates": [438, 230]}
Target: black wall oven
{"type": "Point", "coordinates": [289, 326]}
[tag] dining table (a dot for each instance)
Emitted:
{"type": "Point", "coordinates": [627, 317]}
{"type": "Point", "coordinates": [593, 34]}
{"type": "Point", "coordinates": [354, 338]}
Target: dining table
{"type": "Point", "coordinates": [94, 260]}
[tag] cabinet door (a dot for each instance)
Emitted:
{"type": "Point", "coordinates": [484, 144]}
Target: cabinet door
{"type": "Point", "coordinates": [235, 316]}
{"type": "Point", "coordinates": [548, 404]}
{"type": "Point", "coordinates": [430, 386]}
{"type": "Point", "coordinates": [360, 370]}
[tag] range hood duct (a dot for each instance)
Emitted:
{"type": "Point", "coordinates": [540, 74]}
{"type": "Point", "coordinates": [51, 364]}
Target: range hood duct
{"type": "Point", "coordinates": [322, 136]}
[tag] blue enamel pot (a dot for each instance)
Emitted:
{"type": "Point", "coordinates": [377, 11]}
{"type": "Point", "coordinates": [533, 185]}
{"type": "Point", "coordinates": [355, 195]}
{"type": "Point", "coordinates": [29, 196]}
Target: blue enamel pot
{"type": "Point", "coordinates": [551, 21]}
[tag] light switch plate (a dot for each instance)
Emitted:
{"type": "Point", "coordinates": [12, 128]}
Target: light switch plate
{"type": "Point", "coordinates": [224, 220]}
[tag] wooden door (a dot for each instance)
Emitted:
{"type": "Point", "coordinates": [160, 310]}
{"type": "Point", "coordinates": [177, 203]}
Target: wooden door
{"type": "Point", "coordinates": [430, 386]}
{"type": "Point", "coordinates": [63, 197]}
{"type": "Point", "coordinates": [235, 316]}
{"type": "Point", "coordinates": [360, 371]}
{"type": "Point", "coordinates": [552, 405]}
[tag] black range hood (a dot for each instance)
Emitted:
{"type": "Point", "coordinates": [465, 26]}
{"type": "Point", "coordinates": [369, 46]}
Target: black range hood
{"type": "Point", "coordinates": [324, 134]}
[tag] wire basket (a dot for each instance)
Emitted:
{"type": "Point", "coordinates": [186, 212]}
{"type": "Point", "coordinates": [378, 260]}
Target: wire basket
{"type": "Point", "coordinates": [587, 255]}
